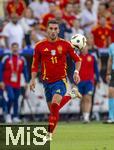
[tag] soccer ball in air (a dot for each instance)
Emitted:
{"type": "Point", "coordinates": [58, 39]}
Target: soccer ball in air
{"type": "Point", "coordinates": [78, 41]}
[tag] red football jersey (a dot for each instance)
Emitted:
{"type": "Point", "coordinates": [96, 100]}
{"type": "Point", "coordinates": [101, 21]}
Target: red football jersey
{"type": "Point", "coordinates": [52, 56]}
{"type": "Point", "coordinates": [69, 18]}
{"type": "Point", "coordinates": [87, 67]}
{"type": "Point", "coordinates": [18, 8]}
{"type": "Point", "coordinates": [13, 64]}
{"type": "Point", "coordinates": [100, 36]}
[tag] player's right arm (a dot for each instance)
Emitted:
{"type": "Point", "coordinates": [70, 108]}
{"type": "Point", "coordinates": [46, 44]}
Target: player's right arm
{"type": "Point", "coordinates": [34, 68]}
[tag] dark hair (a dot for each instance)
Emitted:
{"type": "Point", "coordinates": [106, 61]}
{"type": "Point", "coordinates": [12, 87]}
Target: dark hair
{"type": "Point", "coordinates": [89, 1]}
{"type": "Point", "coordinates": [14, 43]}
{"type": "Point", "coordinates": [52, 21]}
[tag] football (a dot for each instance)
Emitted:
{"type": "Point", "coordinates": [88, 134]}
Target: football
{"type": "Point", "coordinates": [78, 41]}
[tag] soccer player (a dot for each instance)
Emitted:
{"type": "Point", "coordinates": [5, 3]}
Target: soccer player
{"type": "Point", "coordinates": [88, 69]}
{"type": "Point", "coordinates": [11, 68]}
{"type": "Point", "coordinates": [110, 80]}
{"type": "Point", "coordinates": [51, 54]}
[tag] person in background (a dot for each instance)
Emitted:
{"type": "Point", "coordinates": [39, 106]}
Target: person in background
{"type": "Point", "coordinates": [11, 68]}
{"type": "Point", "coordinates": [15, 6]}
{"type": "Point", "coordinates": [88, 69]}
{"type": "Point", "coordinates": [88, 16]}
{"type": "Point", "coordinates": [92, 49]}
{"type": "Point", "coordinates": [111, 24]}
{"type": "Point", "coordinates": [110, 81]}
{"type": "Point", "coordinates": [13, 32]}
{"type": "Point", "coordinates": [2, 42]}
{"type": "Point", "coordinates": [101, 34]}
{"type": "Point", "coordinates": [39, 8]}
{"type": "Point", "coordinates": [71, 65]}
{"type": "Point", "coordinates": [63, 25]}
{"type": "Point", "coordinates": [111, 6]}
{"type": "Point", "coordinates": [76, 10]}
{"type": "Point", "coordinates": [76, 29]}
{"type": "Point", "coordinates": [103, 11]}
{"type": "Point", "coordinates": [68, 15]}
{"type": "Point", "coordinates": [48, 16]}
{"type": "Point", "coordinates": [26, 22]}
{"type": "Point", "coordinates": [36, 34]}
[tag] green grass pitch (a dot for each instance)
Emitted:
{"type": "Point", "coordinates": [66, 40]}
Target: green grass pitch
{"type": "Point", "coordinates": [78, 136]}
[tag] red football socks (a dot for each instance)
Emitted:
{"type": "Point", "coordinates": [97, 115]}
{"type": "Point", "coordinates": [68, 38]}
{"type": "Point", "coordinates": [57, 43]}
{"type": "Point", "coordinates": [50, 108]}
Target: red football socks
{"type": "Point", "coordinates": [64, 100]}
{"type": "Point", "coordinates": [54, 117]}
{"type": "Point", "coordinates": [54, 113]}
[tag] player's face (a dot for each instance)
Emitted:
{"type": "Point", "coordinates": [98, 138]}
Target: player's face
{"type": "Point", "coordinates": [14, 18]}
{"type": "Point", "coordinates": [89, 5]}
{"type": "Point", "coordinates": [15, 49]}
{"type": "Point", "coordinates": [90, 39]}
{"type": "Point", "coordinates": [53, 30]}
{"type": "Point", "coordinates": [102, 21]}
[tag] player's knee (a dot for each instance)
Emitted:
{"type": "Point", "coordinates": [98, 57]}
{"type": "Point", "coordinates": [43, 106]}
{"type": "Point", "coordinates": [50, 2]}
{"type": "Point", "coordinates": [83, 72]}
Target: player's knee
{"type": "Point", "coordinates": [56, 98]}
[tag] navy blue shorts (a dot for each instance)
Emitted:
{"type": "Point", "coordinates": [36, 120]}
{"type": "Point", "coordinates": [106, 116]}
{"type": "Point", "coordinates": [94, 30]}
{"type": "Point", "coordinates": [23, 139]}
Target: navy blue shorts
{"type": "Point", "coordinates": [86, 87]}
{"type": "Point", "coordinates": [58, 87]}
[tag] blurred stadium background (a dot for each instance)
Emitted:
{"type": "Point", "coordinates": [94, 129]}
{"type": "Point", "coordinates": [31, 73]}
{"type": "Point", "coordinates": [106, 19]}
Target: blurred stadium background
{"type": "Point", "coordinates": [33, 22]}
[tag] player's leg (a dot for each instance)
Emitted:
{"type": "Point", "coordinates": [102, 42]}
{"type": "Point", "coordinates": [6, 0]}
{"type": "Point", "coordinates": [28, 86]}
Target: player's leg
{"type": "Point", "coordinates": [58, 90]}
{"type": "Point", "coordinates": [3, 104]}
{"type": "Point", "coordinates": [111, 99]}
{"type": "Point", "coordinates": [111, 105]}
{"type": "Point", "coordinates": [87, 100]}
{"type": "Point", "coordinates": [54, 112]}
{"type": "Point", "coordinates": [48, 95]}
{"type": "Point", "coordinates": [64, 101]}
{"type": "Point", "coordinates": [54, 115]}
{"type": "Point", "coordinates": [15, 105]}
{"type": "Point", "coordinates": [10, 95]}
{"type": "Point", "coordinates": [74, 93]}
{"type": "Point", "coordinates": [86, 106]}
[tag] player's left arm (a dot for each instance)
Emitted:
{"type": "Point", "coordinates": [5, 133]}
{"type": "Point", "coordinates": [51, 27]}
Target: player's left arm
{"type": "Point", "coordinates": [77, 59]}
{"type": "Point", "coordinates": [76, 72]}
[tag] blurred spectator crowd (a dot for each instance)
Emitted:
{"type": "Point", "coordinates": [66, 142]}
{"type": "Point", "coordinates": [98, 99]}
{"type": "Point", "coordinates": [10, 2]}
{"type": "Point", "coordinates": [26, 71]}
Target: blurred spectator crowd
{"type": "Point", "coordinates": [24, 22]}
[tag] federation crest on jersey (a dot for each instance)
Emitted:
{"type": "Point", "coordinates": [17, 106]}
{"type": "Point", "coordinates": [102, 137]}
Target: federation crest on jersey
{"type": "Point", "coordinates": [60, 49]}
{"type": "Point", "coordinates": [53, 52]}
{"type": "Point", "coordinates": [89, 58]}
